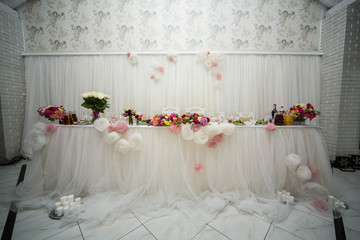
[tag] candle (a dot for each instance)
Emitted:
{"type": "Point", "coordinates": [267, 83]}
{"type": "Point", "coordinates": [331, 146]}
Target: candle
{"type": "Point", "coordinates": [337, 204]}
{"type": "Point", "coordinates": [331, 200]}
{"type": "Point", "coordinates": [291, 199]}
{"type": "Point", "coordinates": [66, 210]}
{"type": "Point", "coordinates": [66, 203]}
{"type": "Point", "coordinates": [284, 197]}
{"type": "Point", "coordinates": [72, 205]}
{"type": "Point", "coordinates": [57, 204]}
{"type": "Point", "coordinates": [78, 201]}
{"type": "Point", "coordinates": [59, 211]}
{"type": "Point", "coordinates": [70, 198]}
{"type": "Point", "coordinates": [279, 194]}
{"type": "Point", "coordinates": [287, 193]}
{"type": "Point", "coordinates": [63, 199]}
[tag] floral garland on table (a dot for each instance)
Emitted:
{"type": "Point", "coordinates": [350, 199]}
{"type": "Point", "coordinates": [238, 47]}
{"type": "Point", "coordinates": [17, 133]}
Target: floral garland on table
{"type": "Point", "coordinates": [302, 111]}
{"type": "Point", "coordinates": [52, 112]}
{"type": "Point", "coordinates": [96, 101]}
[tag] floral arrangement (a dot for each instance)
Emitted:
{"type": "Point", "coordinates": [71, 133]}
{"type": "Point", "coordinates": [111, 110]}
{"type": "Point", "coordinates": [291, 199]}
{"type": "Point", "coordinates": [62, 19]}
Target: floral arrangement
{"type": "Point", "coordinates": [130, 113]}
{"type": "Point", "coordinates": [165, 120]}
{"type": "Point", "coordinates": [195, 119]}
{"type": "Point", "coordinates": [302, 111]}
{"type": "Point", "coordinates": [236, 122]}
{"type": "Point", "coordinates": [52, 112]}
{"type": "Point", "coordinates": [96, 101]}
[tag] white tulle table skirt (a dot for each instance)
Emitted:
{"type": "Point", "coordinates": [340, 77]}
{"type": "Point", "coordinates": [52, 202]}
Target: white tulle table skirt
{"type": "Point", "coordinates": [249, 164]}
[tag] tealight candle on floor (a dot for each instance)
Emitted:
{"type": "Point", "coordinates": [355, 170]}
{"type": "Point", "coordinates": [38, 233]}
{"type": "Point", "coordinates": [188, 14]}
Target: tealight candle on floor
{"type": "Point", "coordinates": [288, 194]}
{"type": "Point", "coordinates": [291, 199]}
{"type": "Point", "coordinates": [279, 194]}
{"type": "Point", "coordinates": [78, 201]}
{"type": "Point", "coordinates": [70, 198]}
{"type": "Point", "coordinates": [66, 210]}
{"type": "Point", "coordinates": [63, 199]}
{"type": "Point", "coordinates": [59, 211]}
{"type": "Point", "coordinates": [72, 205]}
{"type": "Point", "coordinates": [66, 203]}
{"type": "Point", "coordinates": [331, 200]}
{"type": "Point", "coordinates": [57, 204]}
{"type": "Point", "coordinates": [284, 197]}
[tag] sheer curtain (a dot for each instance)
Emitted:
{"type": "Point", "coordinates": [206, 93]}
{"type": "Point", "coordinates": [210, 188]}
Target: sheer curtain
{"type": "Point", "coordinates": [249, 83]}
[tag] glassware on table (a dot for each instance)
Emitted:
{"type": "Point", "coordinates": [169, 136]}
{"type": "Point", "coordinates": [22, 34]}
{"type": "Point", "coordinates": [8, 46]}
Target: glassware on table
{"type": "Point", "coordinates": [74, 116]}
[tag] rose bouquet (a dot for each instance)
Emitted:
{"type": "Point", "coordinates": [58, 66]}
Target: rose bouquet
{"type": "Point", "coordinates": [96, 101]}
{"type": "Point", "coordinates": [165, 119]}
{"type": "Point", "coordinates": [52, 112]}
{"type": "Point", "coordinates": [130, 113]}
{"type": "Point", "coordinates": [195, 119]}
{"type": "Point", "coordinates": [302, 111]}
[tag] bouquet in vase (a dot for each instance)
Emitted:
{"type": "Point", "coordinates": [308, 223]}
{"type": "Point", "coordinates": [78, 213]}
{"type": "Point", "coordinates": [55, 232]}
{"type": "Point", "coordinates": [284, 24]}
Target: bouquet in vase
{"type": "Point", "coordinates": [52, 112]}
{"type": "Point", "coordinates": [96, 101]}
{"type": "Point", "coordinates": [130, 113]}
{"type": "Point", "coordinates": [302, 111]}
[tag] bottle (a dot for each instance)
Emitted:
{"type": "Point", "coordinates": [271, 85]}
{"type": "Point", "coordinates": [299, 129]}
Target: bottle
{"type": "Point", "coordinates": [280, 117]}
{"type": "Point", "coordinates": [282, 111]}
{"type": "Point", "coordinates": [273, 112]}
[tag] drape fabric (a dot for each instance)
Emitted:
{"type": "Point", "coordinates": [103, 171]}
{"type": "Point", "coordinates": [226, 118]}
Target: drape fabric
{"type": "Point", "coordinates": [250, 83]}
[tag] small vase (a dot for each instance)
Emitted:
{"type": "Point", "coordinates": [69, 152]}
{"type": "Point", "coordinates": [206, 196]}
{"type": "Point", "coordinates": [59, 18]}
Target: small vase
{"type": "Point", "coordinates": [95, 115]}
{"type": "Point", "coordinates": [131, 120]}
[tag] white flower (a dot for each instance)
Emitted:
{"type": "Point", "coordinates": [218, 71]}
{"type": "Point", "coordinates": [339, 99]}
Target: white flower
{"type": "Point", "coordinates": [101, 124]}
{"type": "Point", "coordinates": [133, 59]}
{"type": "Point", "coordinates": [293, 161]}
{"type": "Point", "coordinates": [201, 137]}
{"type": "Point", "coordinates": [112, 137]}
{"type": "Point", "coordinates": [187, 132]}
{"type": "Point", "coordinates": [100, 95]}
{"type": "Point", "coordinates": [122, 146]}
{"type": "Point", "coordinates": [214, 130]}
{"type": "Point", "coordinates": [207, 63]}
{"type": "Point", "coordinates": [227, 128]}
{"type": "Point", "coordinates": [136, 141]}
{"type": "Point", "coordinates": [303, 172]}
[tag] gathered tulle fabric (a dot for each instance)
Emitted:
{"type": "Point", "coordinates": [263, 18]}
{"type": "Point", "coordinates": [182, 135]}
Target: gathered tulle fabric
{"type": "Point", "coordinates": [246, 169]}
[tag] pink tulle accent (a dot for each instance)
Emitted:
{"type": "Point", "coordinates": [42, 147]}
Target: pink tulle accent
{"type": "Point", "coordinates": [218, 76]}
{"type": "Point", "coordinates": [121, 127]}
{"type": "Point", "coordinates": [152, 77]}
{"type": "Point", "coordinates": [171, 59]}
{"type": "Point", "coordinates": [128, 54]}
{"type": "Point", "coordinates": [320, 205]}
{"type": "Point", "coordinates": [111, 128]}
{"type": "Point", "coordinates": [175, 128]}
{"type": "Point", "coordinates": [161, 69]}
{"type": "Point", "coordinates": [50, 128]}
{"type": "Point", "coordinates": [214, 64]}
{"type": "Point", "coordinates": [199, 167]}
{"type": "Point", "coordinates": [196, 128]}
{"type": "Point", "coordinates": [270, 127]}
{"type": "Point", "coordinates": [219, 138]}
{"type": "Point", "coordinates": [212, 143]}
{"type": "Point", "coordinates": [315, 173]}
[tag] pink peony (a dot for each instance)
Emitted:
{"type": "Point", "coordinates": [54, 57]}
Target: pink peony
{"type": "Point", "coordinates": [171, 59]}
{"type": "Point", "coordinates": [208, 53]}
{"type": "Point", "coordinates": [320, 205]}
{"type": "Point", "coordinates": [161, 69]}
{"type": "Point", "coordinates": [199, 167]}
{"type": "Point", "coordinates": [111, 128]}
{"type": "Point", "coordinates": [50, 128]}
{"type": "Point", "coordinates": [219, 138]}
{"type": "Point", "coordinates": [270, 127]}
{"type": "Point", "coordinates": [128, 54]}
{"type": "Point", "coordinates": [218, 76]}
{"type": "Point", "coordinates": [212, 143]}
{"type": "Point", "coordinates": [196, 128]}
{"type": "Point", "coordinates": [175, 128]}
{"type": "Point", "coordinates": [121, 127]}
{"type": "Point", "coordinates": [152, 77]}
{"type": "Point", "coordinates": [314, 172]}
{"type": "Point", "coordinates": [214, 64]}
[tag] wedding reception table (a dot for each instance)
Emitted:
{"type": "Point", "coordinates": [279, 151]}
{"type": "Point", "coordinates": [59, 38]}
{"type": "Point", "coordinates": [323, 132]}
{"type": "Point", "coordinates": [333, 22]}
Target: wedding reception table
{"type": "Point", "coordinates": [78, 160]}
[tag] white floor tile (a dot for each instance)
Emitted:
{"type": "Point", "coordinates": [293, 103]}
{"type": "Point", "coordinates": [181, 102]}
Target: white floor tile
{"type": "Point", "coordinates": [238, 225]}
{"type": "Point", "coordinates": [139, 233]}
{"type": "Point", "coordinates": [209, 233]}
{"type": "Point", "coordinates": [29, 213]}
{"type": "Point", "coordinates": [115, 230]}
{"type": "Point", "coordinates": [174, 227]}
{"type": "Point", "coordinates": [351, 234]}
{"type": "Point", "coordinates": [276, 233]}
{"type": "Point", "coordinates": [308, 226]}
{"type": "Point", "coordinates": [39, 227]}
{"type": "Point", "coordinates": [3, 216]}
{"type": "Point", "coordinates": [72, 233]}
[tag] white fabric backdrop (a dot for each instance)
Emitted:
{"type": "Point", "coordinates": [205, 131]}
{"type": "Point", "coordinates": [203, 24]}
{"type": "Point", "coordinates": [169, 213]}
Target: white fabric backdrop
{"type": "Point", "coordinates": [250, 83]}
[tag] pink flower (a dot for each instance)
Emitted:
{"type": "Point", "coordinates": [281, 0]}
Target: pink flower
{"type": "Point", "coordinates": [320, 205]}
{"type": "Point", "coordinates": [212, 143]}
{"type": "Point", "coordinates": [175, 128]}
{"type": "Point", "coordinates": [152, 77]}
{"type": "Point", "coordinates": [208, 53]}
{"type": "Point", "coordinates": [111, 128]}
{"type": "Point", "coordinates": [214, 64]}
{"type": "Point", "coordinates": [121, 127]}
{"type": "Point", "coordinates": [314, 172]}
{"type": "Point", "coordinates": [50, 128]}
{"type": "Point", "coordinates": [196, 128]}
{"type": "Point", "coordinates": [161, 69]}
{"type": "Point", "coordinates": [199, 167]}
{"type": "Point", "coordinates": [219, 138]}
{"type": "Point", "coordinates": [218, 76]}
{"type": "Point", "coordinates": [270, 127]}
{"type": "Point", "coordinates": [171, 59]}
{"type": "Point", "coordinates": [128, 54]}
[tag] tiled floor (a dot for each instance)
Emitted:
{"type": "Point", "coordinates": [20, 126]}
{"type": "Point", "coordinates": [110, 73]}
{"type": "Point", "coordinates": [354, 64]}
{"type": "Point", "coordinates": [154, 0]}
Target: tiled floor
{"type": "Point", "coordinates": [229, 224]}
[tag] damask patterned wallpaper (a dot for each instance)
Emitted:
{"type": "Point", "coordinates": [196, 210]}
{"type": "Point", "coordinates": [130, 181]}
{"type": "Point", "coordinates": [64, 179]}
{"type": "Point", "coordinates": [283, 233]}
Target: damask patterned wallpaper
{"type": "Point", "coordinates": [77, 25]}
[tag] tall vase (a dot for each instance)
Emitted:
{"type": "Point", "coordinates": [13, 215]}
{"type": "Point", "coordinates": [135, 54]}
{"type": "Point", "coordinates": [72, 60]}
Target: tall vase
{"type": "Point", "coordinates": [131, 120]}
{"type": "Point", "coordinates": [95, 115]}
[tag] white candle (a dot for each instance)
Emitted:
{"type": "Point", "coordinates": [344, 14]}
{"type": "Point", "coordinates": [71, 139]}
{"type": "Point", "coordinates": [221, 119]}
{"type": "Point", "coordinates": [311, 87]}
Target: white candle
{"type": "Point", "coordinates": [279, 194]}
{"type": "Point", "coordinates": [63, 199]}
{"type": "Point", "coordinates": [337, 204]}
{"type": "Point", "coordinates": [288, 194]}
{"type": "Point", "coordinates": [331, 200]}
{"type": "Point", "coordinates": [72, 205]}
{"type": "Point", "coordinates": [283, 191]}
{"type": "Point", "coordinates": [59, 211]}
{"type": "Point", "coordinates": [70, 198]}
{"type": "Point", "coordinates": [78, 201]}
{"type": "Point", "coordinates": [66, 203]}
{"type": "Point", "coordinates": [291, 199]}
{"type": "Point", "coordinates": [57, 204]}
{"type": "Point", "coordinates": [284, 197]}
{"type": "Point", "coordinates": [66, 210]}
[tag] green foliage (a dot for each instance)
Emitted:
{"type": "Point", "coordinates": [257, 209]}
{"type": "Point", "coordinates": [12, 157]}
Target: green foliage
{"type": "Point", "coordinates": [95, 104]}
